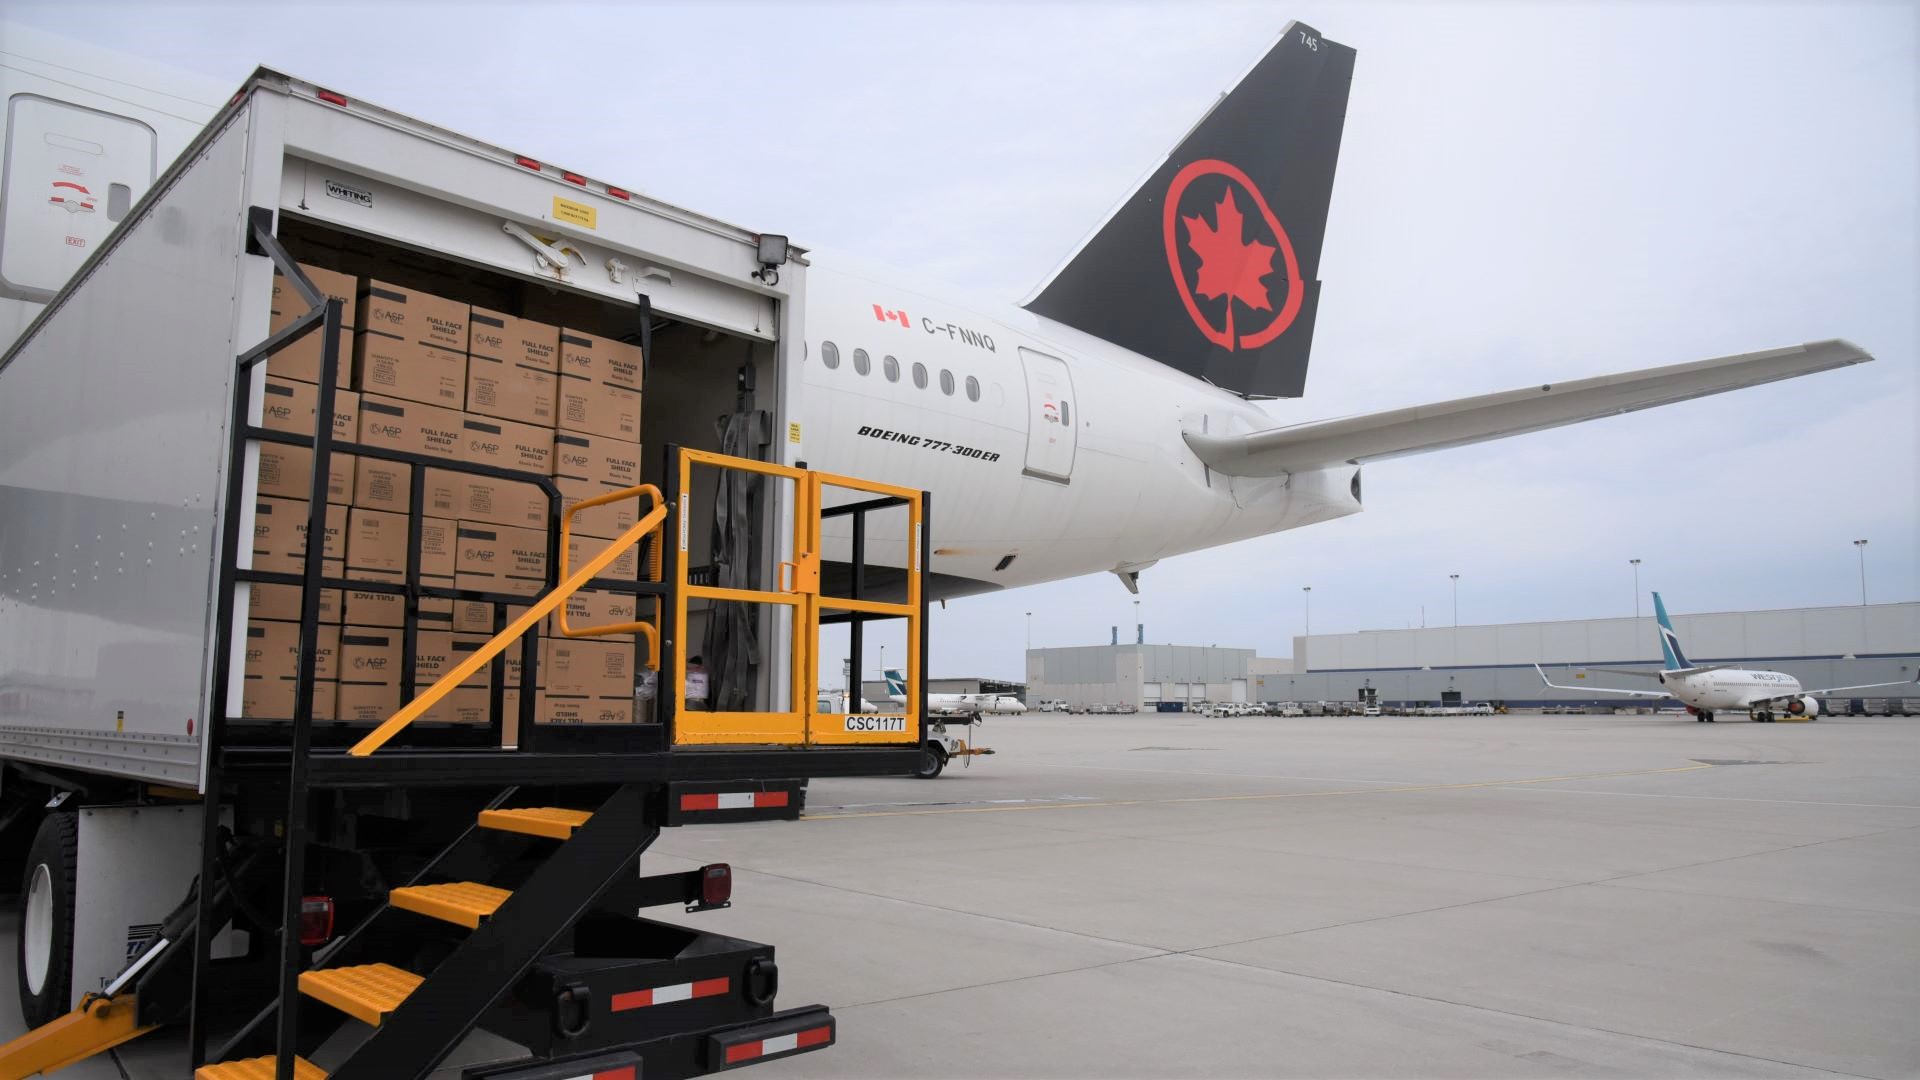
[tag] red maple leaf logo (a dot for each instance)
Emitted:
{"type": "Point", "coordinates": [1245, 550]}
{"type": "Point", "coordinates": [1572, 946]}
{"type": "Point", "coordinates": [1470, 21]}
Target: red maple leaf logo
{"type": "Point", "coordinates": [1230, 265]}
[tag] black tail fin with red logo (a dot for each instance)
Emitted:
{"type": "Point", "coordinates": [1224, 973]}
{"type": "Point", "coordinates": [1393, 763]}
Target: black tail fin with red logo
{"type": "Point", "coordinates": [1211, 266]}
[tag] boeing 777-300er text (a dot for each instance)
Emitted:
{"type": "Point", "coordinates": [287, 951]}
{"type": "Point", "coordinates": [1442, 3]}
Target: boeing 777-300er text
{"type": "Point", "coordinates": [1709, 688]}
{"type": "Point", "coordinates": [1111, 421]}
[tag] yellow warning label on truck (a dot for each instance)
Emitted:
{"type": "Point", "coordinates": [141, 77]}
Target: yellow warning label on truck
{"type": "Point", "coordinates": [574, 213]}
{"type": "Point", "coordinates": [793, 431]}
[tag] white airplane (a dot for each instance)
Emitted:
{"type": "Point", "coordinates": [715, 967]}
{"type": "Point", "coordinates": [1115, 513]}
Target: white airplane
{"type": "Point", "coordinates": [985, 704]}
{"type": "Point", "coordinates": [1111, 422]}
{"type": "Point", "coordinates": [1709, 688]}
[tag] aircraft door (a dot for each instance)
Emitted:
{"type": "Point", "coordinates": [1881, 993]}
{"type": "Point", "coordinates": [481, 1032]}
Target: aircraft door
{"type": "Point", "coordinates": [1053, 417]}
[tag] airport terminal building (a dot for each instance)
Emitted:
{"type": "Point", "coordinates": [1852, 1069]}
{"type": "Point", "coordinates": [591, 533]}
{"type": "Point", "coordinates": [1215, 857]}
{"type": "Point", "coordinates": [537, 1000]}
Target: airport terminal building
{"type": "Point", "coordinates": [1820, 646]}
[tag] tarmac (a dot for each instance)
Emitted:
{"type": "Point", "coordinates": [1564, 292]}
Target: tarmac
{"type": "Point", "coordinates": [1511, 896]}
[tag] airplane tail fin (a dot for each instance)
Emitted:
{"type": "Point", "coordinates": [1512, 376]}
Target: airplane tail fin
{"type": "Point", "coordinates": [1211, 265]}
{"type": "Point", "coordinates": [1674, 657]}
{"type": "Point", "coordinates": [896, 683]}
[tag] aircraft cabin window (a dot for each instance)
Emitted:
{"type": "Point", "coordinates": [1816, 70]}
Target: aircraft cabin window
{"type": "Point", "coordinates": [946, 382]}
{"type": "Point", "coordinates": [830, 354]}
{"type": "Point", "coordinates": [892, 369]}
{"type": "Point", "coordinates": [919, 374]}
{"type": "Point", "coordinates": [861, 365]}
{"type": "Point", "coordinates": [973, 388]}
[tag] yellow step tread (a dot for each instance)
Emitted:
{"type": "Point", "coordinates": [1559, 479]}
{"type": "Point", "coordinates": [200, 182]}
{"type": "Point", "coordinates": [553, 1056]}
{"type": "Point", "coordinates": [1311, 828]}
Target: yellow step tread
{"type": "Point", "coordinates": [552, 822]}
{"type": "Point", "coordinates": [463, 903]}
{"type": "Point", "coordinates": [260, 1068]}
{"type": "Point", "coordinates": [367, 992]}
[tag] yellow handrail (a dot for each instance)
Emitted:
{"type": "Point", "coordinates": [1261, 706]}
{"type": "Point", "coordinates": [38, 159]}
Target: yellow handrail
{"type": "Point", "coordinates": [465, 670]}
{"type": "Point", "coordinates": [645, 629]}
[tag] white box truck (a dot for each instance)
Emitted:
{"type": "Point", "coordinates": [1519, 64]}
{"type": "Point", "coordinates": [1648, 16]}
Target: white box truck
{"type": "Point", "coordinates": [354, 883]}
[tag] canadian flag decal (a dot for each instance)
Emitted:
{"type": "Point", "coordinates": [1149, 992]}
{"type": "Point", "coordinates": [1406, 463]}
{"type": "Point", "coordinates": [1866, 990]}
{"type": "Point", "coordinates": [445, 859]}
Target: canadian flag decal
{"type": "Point", "coordinates": [891, 316]}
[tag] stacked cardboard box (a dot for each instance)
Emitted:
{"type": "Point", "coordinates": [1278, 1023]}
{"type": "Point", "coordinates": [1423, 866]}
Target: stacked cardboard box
{"type": "Point", "coordinates": [436, 377]}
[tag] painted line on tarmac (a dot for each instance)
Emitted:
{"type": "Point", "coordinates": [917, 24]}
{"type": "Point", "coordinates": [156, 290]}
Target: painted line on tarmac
{"type": "Point", "coordinates": [1741, 798]}
{"type": "Point", "coordinates": [1233, 775]}
{"type": "Point", "coordinates": [1253, 798]}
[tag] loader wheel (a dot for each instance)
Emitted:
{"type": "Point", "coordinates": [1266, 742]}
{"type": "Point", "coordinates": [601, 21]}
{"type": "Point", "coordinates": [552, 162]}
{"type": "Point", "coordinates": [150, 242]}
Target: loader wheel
{"type": "Point", "coordinates": [932, 760]}
{"type": "Point", "coordinates": [46, 921]}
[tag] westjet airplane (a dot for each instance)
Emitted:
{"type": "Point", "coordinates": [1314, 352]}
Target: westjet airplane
{"type": "Point", "coordinates": [985, 704]}
{"type": "Point", "coordinates": [1708, 688]}
{"type": "Point", "coordinates": [1111, 421]}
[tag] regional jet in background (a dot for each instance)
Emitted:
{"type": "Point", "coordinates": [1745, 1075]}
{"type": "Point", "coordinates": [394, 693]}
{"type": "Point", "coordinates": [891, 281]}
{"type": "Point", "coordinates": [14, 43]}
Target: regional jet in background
{"type": "Point", "coordinates": [985, 704]}
{"type": "Point", "coordinates": [1708, 688]}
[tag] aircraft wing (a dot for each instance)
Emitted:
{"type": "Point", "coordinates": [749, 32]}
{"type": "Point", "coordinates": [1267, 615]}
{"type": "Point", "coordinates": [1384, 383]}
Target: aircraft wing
{"type": "Point", "coordinates": [1372, 437]}
{"type": "Point", "coordinates": [1599, 689]}
{"type": "Point", "coordinates": [1837, 689]}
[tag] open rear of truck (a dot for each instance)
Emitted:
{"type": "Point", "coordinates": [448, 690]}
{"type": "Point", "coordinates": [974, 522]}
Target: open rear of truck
{"type": "Point", "coordinates": [386, 878]}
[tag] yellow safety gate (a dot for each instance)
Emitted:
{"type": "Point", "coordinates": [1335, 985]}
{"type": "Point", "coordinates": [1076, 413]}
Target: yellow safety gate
{"type": "Point", "coordinates": [798, 588]}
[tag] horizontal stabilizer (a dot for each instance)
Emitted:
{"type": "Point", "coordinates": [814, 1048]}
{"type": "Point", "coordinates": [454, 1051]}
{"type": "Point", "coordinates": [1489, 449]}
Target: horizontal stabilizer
{"type": "Point", "coordinates": [1280, 451]}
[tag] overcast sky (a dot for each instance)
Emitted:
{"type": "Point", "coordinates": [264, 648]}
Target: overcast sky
{"type": "Point", "coordinates": [1525, 194]}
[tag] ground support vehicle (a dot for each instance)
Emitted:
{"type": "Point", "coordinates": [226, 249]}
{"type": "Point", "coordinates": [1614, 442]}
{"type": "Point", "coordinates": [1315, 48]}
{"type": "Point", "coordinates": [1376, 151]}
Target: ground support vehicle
{"type": "Point", "coordinates": [317, 896]}
{"type": "Point", "coordinates": [947, 739]}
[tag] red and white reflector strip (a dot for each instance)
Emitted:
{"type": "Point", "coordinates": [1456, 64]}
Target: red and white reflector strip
{"type": "Point", "coordinates": [624, 1072]}
{"type": "Point", "coordinates": [733, 800]}
{"type": "Point", "coordinates": [666, 995]}
{"type": "Point", "coordinates": [779, 1044]}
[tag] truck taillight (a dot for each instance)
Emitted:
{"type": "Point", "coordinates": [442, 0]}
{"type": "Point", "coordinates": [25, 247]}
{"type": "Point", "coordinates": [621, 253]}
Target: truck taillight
{"type": "Point", "coordinates": [620, 193]}
{"type": "Point", "coordinates": [331, 98]}
{"type": "Point", "coordinates": [316, 920]}
{"type": "Point", "coordinates": [526, 163]}
{"type": "Point", "coordinates": [574, 178]}
{"type": "Point", "coordinates": [716, 885]}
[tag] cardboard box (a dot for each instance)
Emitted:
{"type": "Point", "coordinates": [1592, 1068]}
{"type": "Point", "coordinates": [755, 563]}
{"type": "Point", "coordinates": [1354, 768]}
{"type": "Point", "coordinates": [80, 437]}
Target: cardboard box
{"type": "Point", "coordinates": [411, 426]}
{"type": "Point", "coordinates": [413, 315]}
{"type": "Point", "coordinates": [404, 369]}
{"type": "Point", "coordinates": [476, 617]}
{"type": "Point", "coordinates": [369, 674]}
{"type": "Point", "coordinates": [511, 391]}
{"type": "Point", "coordinates": [600, 360]}
{"type": "Point", "coordinates": [388, 485]}
{"type": "Point", "coordinates": [272, 670]}
{"type": "Point", "coordinates": [282, 602]}
{"type": "Point", "coordinates": [499, 336]}
{"type": "Point", "coordinates": [272, 698]}
{"type": "Point", "coordinates": [581, 709]}
{"type": "Point", "coordinates": [585, 466]}
{"type": "Point", "coordinates": [502, 502]}
{"type": "Point", "coordinates": [587, 667]}
{"type": "Point", "coordinates": [287, 472]}
{"type": "Point", "coordinates": [365, 607]}
{"type": "Point", "coordinates": [581, 548]}
{"type": "Point", "coordinates": [289, 405]}
{"type": "Point", "coordinates": [590, 608]}
{"type": "Point", "coordinates": [435, 654]}
{"type": "Point", "coordinates": [280, 534]}
{"type": "Point", "coordinates": [376, 551]}
{"type": "Point", "coordinates": [500, 559]}
{"type": "Point", "coordinates": [598, 409]}
{"type": "Point", "coordinates": [273, 648]}
{"type": "Point", "coordinates": [506, 444]}
{"type": "Point", "coordinates": [301, 360]}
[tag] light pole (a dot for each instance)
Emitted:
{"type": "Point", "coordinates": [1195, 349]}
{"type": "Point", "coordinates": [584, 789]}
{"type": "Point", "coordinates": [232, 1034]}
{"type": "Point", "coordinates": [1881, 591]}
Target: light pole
{"type": "Point", "coordinates": [883, 663]}
{"type": "Point", "coordinates": [1861, 547]}
{"type": "Point", "coordinates": [1139, 631]}
{"type": "Point", "coordinates": [1029, 631]}
{"type": "Point", "coordinates": [1456, 600]}
{"type": "Point", "coordinates": [1308, 591]}
{"type": "Point", "coordinates": [1636, 587]}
